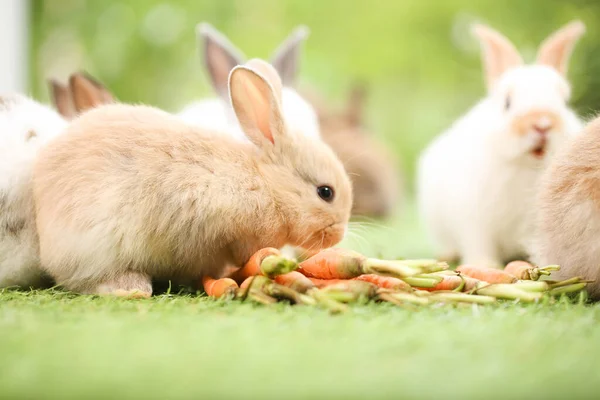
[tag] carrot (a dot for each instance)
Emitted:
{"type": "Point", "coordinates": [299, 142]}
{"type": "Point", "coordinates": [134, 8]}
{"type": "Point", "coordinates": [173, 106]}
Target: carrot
{"type": "Point", "coordinates": [486, 274]}
{"type": "Point", "coordinates": [347, 291]}
{"type": "Point", "coordinates": [454, 282]}
{"type": "Point", "coordinates": [525, 271]}
{"type": "Point", "coordinates": [218, 287]}
{"type": "Point", "coordinates": [265, 285]}
{"type": "Point", "coordinates": [321, 283]}
{"type": "Point", "coordinates": [296, 281]}
{"type": "Point", "coordinates": [384, 282]}
{"type": "Point", "coordinates": [507, 291]}
{"type": "Point", "coordinates": [336, 263]}
{"type": "Point", "coordinates": [252, 266]}
{"type": "Point", "coordinates": [268, 262]}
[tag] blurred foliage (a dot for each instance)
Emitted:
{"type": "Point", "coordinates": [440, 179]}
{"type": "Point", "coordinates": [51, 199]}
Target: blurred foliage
{"type": "Point", "coordinates": [421, 65]}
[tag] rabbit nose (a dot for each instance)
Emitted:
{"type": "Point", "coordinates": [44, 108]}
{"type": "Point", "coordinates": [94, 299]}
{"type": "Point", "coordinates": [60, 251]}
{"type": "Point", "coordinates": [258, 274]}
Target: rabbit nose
{"type": "Point", "coordinates": [542, 130]}
{"type": "Point", "coordinates": [543, 126]}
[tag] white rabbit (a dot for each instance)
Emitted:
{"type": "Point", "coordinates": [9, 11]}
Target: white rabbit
{"type": "Point", "coordinates": [477, 181]}
{"type": "Point", "coordinates": [220, 57]}
{"type": "Point", "coordinates": [25, 126]}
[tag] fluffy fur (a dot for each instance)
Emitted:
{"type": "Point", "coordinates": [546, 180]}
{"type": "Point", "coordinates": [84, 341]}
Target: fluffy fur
{"type": "Point", "coordinates": [131, 193]}
{"type": "Point", "coordinates": [568, 219]}
{"type": "Point", "coordinates": [25, 126]}
{"type": "Point", "coordinates": [478, 180]}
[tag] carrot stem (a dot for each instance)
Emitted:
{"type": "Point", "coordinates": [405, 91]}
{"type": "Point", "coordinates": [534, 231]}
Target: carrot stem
{"type": "Point", "coordinates": [462, 298]}
{"type": "Point", "coordinates": [575, 287]}
{"type": "Point", "coordinates": [508, 292]}
{"type": "Point", "coordinates": [325, 301]}
{"type": "Point", "coordinates": [423, 281]}
{"type": "Point", "coordinates": [274, 265]}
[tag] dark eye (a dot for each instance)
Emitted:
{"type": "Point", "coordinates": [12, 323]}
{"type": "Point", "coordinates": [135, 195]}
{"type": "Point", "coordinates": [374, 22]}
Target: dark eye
{"type": "Point", "coordinates": [326, 193]}
{"type": "Point", "coordinates": [507, 103]}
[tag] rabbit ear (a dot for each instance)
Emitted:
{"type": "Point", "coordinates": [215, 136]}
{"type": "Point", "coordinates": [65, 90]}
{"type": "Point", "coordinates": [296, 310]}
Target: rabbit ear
{"type": "Point", "coordinates": [556, 50]}
{"type": "Point", "coordinates": [286, 59]}
{"type": "Point", "coordinates": [356, 104]}
{"type": "Point", "coordinates": [87, 92]}
{"type": "Point", "coordinates": [498, 53]}
{"type": "Point", "coordinates": [220, 57]}
{"type": "Point", "coordinates": [255, 90]}
{"type": "Point", "coordinates": [61, 97]}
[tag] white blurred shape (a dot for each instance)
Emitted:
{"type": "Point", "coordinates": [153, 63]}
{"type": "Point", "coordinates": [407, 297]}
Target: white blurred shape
{"type": "Point", "coordinates": [14, 21]}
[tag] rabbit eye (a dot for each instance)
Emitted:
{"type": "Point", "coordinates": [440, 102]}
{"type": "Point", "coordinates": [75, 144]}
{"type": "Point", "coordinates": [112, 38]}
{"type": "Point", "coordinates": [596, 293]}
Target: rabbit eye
{"type": "Point", "coordinates": [507, 103]}
{"type": "Point", "coordinates": [326, 193]}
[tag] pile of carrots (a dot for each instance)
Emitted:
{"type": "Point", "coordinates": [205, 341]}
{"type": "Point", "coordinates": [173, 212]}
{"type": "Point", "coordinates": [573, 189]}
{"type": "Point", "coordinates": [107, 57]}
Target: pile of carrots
{"type": "Point", "coordinates": [335, 277]}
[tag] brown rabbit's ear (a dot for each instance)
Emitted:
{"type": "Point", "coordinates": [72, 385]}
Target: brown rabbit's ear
{"type": "Point", "coordinates": [61, 97]}
{"type": "Point", "coordinates": [498, 53]}
{"type": "Point", "coordinates": [255, 90]}
{"type": "Point", "coordinates": [286, 58]}
{"type": "Point", "coordinates": [556, 50]}
{"type": "Point", "coordinates": [87, 92]}
{"type": "Point", "coordinates": [356, 104]}
{"type": "Point", "coordinates": [220, 57]}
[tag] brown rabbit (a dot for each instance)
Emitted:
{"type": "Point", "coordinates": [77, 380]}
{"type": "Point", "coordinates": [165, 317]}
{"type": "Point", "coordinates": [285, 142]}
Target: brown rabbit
{"type": "Point", "coordinates": [81, 94]}
{"type": "Point", "coordinates": [568, 211]}
{"type": "Point", "coordinates": [375, 179]}
{"type": "Point", "coordinates": [131, 193]}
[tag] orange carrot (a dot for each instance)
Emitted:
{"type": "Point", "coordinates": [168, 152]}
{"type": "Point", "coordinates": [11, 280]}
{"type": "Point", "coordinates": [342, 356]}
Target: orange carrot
{"type": "Point", "coordinates": [454, 282]}
{"type": "Point", "coordinates": [385, 282]}
{"type": "Point", "coordinates": [486, 274]}
{"type": "Point", "coordinates": [295, 280]}
{"type": "Point", "coordinates": [336, 263]}
{"type": "Point", "coordinates": [218, 287]}
{"type": "Point", "coordinates": [321, 283]}
{"type": "Point", "coordinates": [252, 267]}
{"type": "Point", "coordinates": [268, 262]}
{"type": "Point", "coordinates": [525, 271]}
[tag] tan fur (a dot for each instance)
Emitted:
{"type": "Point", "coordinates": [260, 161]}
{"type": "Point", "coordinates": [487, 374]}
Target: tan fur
{"type": "Point", "coordinates": [376, 182]}
{"type": "Point", "coordinates": [556, 50]}
{"type": "Point", "coordinates": [568, 223]}
{"type": "Point", "coordinates": [130, 193]}
{"type": "Point", "coordinates": [522, 125]}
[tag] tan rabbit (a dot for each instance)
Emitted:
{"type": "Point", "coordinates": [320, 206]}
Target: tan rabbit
{"type": "Point", "coordinates": [81, 94]}
{"type": "Point", "coordinates": [375, 179]}
{"type": "Point", "coordinates": [568, 211]}
{"type": "Point", "coordinates": [132, 193]}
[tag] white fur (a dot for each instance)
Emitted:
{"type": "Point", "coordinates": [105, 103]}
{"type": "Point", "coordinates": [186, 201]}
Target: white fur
{"type": "Point", "coordinates": [215, 114]}
{"type": "Point", "coordinates": [25, 126]}
{"type": "Point", "coordinates": [477, 180]}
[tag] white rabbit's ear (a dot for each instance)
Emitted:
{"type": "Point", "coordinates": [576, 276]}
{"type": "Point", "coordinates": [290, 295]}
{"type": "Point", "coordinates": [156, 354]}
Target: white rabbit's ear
{"type": "Point", "coordinates": [286, 59]}
{"type": "Point", "coordinates": [87, 92]}
{"type": "Point", "coordinates": [61, 97]}
{"type": "Point", "coordinates": [255, 90]}
{"type": "Point", "coordinates": [498, 53]}
{"type": "Point", "coordinates": [220, 57]}
{"type": "Point", "coordinates": [556, 50]}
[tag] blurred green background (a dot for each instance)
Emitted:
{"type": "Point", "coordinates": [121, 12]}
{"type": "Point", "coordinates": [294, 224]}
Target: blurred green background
{"type": "Point", "coordinates": [422, 67]}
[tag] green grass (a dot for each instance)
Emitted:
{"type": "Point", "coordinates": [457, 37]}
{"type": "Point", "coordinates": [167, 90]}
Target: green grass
{"type": "Point", "coordinates": [58, 345]}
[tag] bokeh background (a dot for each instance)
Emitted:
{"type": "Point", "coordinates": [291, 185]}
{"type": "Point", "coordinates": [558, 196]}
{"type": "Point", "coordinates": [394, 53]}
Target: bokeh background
{"type": "Point", "coordinates": [421, 65]}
